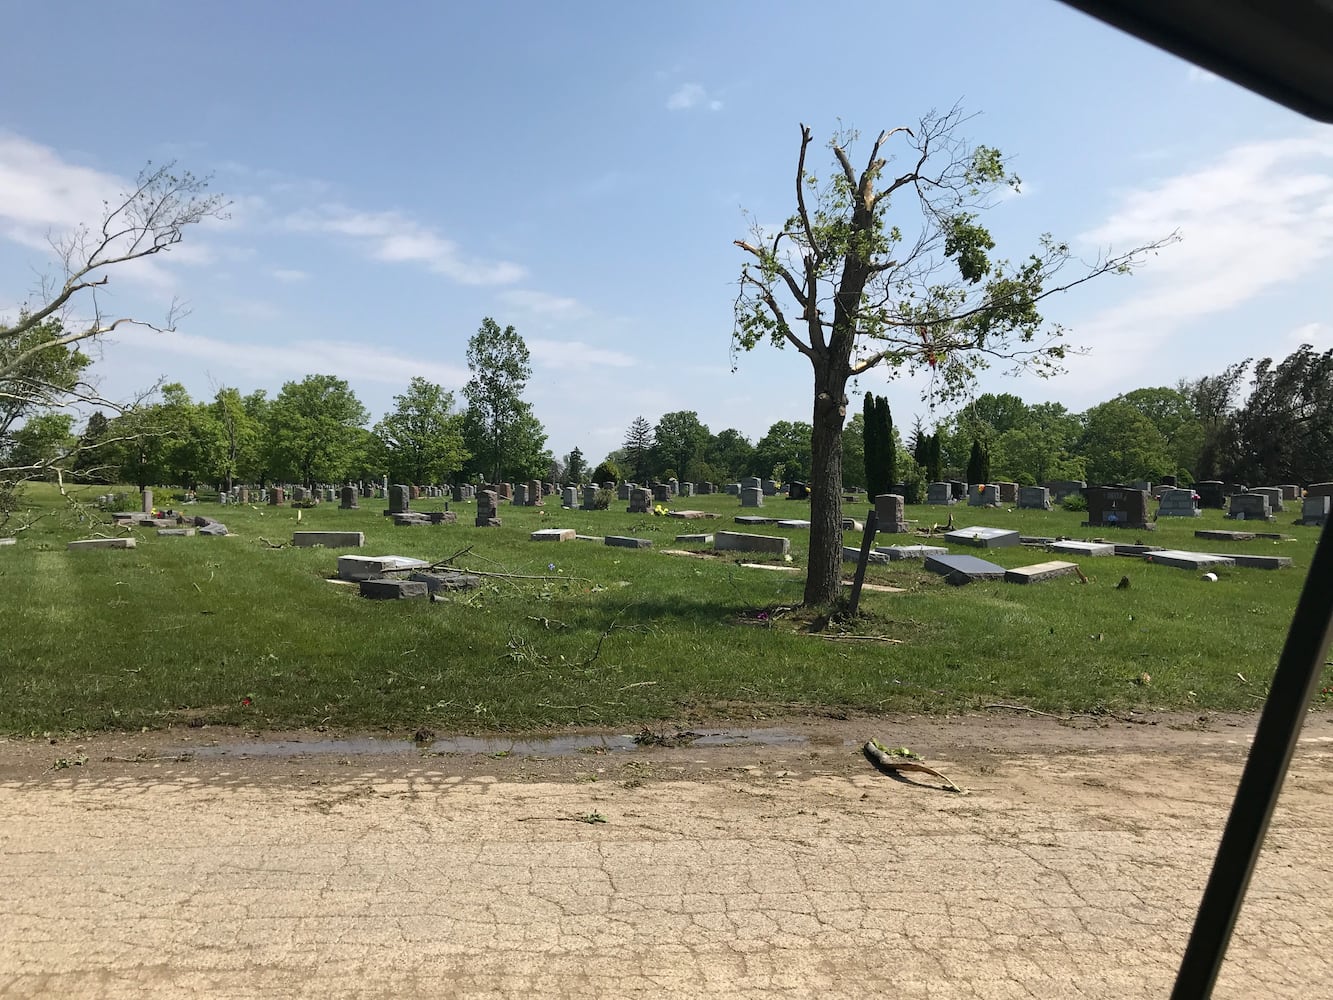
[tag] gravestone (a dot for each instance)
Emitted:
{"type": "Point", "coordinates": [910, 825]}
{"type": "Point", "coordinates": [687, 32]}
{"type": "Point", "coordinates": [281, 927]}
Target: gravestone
{"type": "Point", "coordinates": [506, 491]}
{"type": "Point", "coordinates": [958, 569]}
{"type": "Point", "coordinates": [852, 554]}
{"type": "Point", "coordinates": [1061, 488]}
{"type": "Point", "coordinates": [487, 506]}
{"type": "Point", "coordinates": [1008, 492]}
{"type": "Point", "coordinates": [1186, 560]}
{"type": "Point", "coordinates": [570, 497]}
{"type": "Point", "coordinates": [414, 492]}
{"type": "Point", "coordinates": [399, 502]}
{"type": "Point", "coordinates": [622, 491]}
{"type": "Point", "coordinates": [1210, 493]}
{"type": "Point", "coordinates": [1039, 572]}
{"type": "Point", "coordinates": [673, 487]}
{"type": "Point", "coordinates": [733, 489]}
{"type": "Point", "coordinates": [392, 589]}
{"type": "Point", "coordinates": [300, 494]}
{"type": "Point", "coordinates": [897, 553]}
{"type": "Point", "coordinates": [695, 539]}
{"type": "Point", "coordinates": [1034, 498]}
{"type": "Point", "coordinates": [1249, 507]}
{"type": "Point", "coordinates": [752, 483]}
{"type": "Point", "coordinates": [1117, 507]}
{"type": "Point", "coordinates": [534, 493]}
{"type": "Point", "coordinates": [983, 495]}
{"type": "Point", "coordinates": [1169, 481]}
{"type": "Point", "coordinates": [356, 568]}
{"type": "Point", "coordinates": [277, 497]}
{"type": "Point", "coordinates": [737, 541]}
{"type": "Point", "coordinates": [707, 489]}
{"type": "Point", "coordinates": [456, 493]}
{"type": "Point", "coordinates": [100, 543]}
{"type": "Point", "coordinates": [626, 542]}
{"type": "Point", "coordinates": [1178, 503]}
{"type": "Point", "coordinates": [1315, 511]}
{"type": "Point", "coordinates": [1141, 484]}
{"type": "Point", "coordinates": [889, 514]}
{"type": "Point", "coordinates": [771, 488]}
{"type": "Point", "coordinates": [687, 489]}
{"type": "Point", "coordinates": [589, 497]}
{"type": "Point", "coordinates": [939, 494]}
{"type": "Point", "coordinates": [553, 535]}
{"type": "Point", "coordinates": [442, 517]}
{"type": "Point", "coordinates": [640, 501]}
{"type": "Point", "coordinates": [752, 519]}
{"type": "Point", "coordinates": [1074, 548]}
{"type": "Point", "coordinates": [958, 489]}
{"type": "Point", "coordinates": [347, 500]}
{"type": "Point", "coordinates": [983, 537]}
{"type": "Point", "coordinates": [662, 492]}
{"type": "Point", "coordinates": [245, 494]}
{"type": "Point", "coordinates": [798, 491]}
{"type": "Point", "coordinates": [147, 505]}
{"type": "Point", "coordinates": [1274, 495]}
{"type": "Point", "coordinates": [521, 495]}
{"type": "Point", "coordinates": [1290, 491]}
{"type": "Point", "coordinates": [752, 497]}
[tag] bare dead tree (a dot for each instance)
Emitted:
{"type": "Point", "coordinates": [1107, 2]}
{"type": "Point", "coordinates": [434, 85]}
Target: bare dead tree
{"type": "Point", "coordinates": [42, 355]}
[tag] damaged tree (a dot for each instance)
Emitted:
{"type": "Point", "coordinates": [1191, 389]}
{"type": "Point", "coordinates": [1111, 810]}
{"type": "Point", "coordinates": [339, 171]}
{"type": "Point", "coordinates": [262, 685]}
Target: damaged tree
{"type": "Point", "coordinates": [920, 294]}
{"type": "Point", "coordinates": [41, 354]}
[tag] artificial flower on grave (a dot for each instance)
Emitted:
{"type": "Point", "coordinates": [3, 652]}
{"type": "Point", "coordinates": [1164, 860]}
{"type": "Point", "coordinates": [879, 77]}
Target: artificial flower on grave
{"type": "Point", "coordinates": [660, 510]}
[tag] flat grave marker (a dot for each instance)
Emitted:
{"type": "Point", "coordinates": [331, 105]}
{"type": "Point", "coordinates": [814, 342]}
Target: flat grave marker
{"type": "Point", "coordinates": [964, 568]}
{"type": "Point", "coordinates": [983, 537]}
{"type": "Point", "coordinates": [1039, 572]}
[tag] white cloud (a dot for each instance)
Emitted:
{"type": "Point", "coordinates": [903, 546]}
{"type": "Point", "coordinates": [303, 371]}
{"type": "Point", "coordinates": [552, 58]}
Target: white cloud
{"type": "Point", "coordinates": [352, 361]}
{"type": "Point", "coordinates": [1317, 335]}
{"type": "Point", "coordinates": [541, 303]}
{"type": "Point", "coordinates": [1260, 216]}
{"type": "Point", "coordinates": [576, 354]}
{"type": "Point", "coordinates": [692, 95]}
{"type": "Point", "coordinates": [391, 236]}
{"type": "Point", "coordinates": [289, 275]}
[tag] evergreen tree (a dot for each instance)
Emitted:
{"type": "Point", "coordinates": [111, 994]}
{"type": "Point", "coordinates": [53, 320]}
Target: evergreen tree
{"type": "Point", "coordinates": [888, 445]}
{"type": "Point", "coordinates": [978, 465]}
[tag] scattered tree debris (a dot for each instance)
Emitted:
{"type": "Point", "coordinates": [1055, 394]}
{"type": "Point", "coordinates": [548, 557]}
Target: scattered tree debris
{"type": "Point", "coordinates": [901, 759]}
{"type": "Point", "coordinates": [681, 738]}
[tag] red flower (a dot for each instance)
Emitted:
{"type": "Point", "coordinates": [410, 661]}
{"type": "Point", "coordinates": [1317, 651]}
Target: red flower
{"type": "Point", "coordinates": [247, 700]}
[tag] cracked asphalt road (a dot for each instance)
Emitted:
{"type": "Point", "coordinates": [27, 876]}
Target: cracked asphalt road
{"type": "Point", "coordinates": [1072, 869]}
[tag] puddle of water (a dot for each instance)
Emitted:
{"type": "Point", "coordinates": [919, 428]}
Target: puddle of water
{"type": "Point", "coordinates": [532, 746]}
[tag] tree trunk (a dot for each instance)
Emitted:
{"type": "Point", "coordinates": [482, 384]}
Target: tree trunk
{"type": "Point", "coordinates": [823, 581]}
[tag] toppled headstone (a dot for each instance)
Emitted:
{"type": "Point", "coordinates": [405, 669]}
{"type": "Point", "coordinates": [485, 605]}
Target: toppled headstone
{"type": "Point", "coordinates": [1177, 559]}
{"type": "Point", "coordinates": [1040, 571]}
{"type": "Point", "coordinates": [964, 569]}
{"type": "Point", "coordinates": [793, 523]}
{"type": "Point", "coordinates": [445, 580]}
{"type": "Point", "coordinates": [213, 528]}
{"type": "Point", "coordinates": [385, 589]}
{"type": "Point", "coordinates": [691, 515]}
{"type": "Point", "coordinates": [897, 553]}
{"type": "Point", "coordinates": [695, 539]}
{"type": "Point", "coordinates": [329, 539]}
{"type": "Point", "coordinates": [364, 567]}
{"type": "Point", "coordinates": [1218, 535]}
{"type": "Point", "coordinates": [736, 541]}
{"type": "Point", "coordinates": [553, 535]}
{"type": "Point", "coordinates": [176, 532]}
{"type": "Point", "coordinates": [9, 541]}
{"type": "Point", "coordinates": [983, 537]}
{"type": "Point", "coordinates": [852, 554]}
{"type": "Point", "coordinates": [1083, 548]}
{"type": "Point", "coordinates": [438, 517]}
{"type": "Point", "coordinates": [852, 524]}
{"type": "Point", "coordinates": [626, 542]}
{"type": "Point", "coordinates": [1247, 561]}
{"type": "Point", "coordinates": [753, 519]}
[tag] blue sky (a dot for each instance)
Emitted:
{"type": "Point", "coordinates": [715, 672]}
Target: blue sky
{"type": "Point", "coordinates": [399, 171]}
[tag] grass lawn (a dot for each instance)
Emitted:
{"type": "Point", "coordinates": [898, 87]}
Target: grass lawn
{"type": "Point", "coordinates": [183, 629]}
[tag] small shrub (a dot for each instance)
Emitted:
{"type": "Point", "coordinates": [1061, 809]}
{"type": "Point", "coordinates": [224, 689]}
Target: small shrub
{"type": "Point", "coordinates": [602, 500]}
{"type": "Point", "coordinates": [1075, 501]}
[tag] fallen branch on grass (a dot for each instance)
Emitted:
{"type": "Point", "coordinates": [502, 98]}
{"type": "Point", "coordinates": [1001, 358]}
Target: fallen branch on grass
{"type": "Point", "coordinates": [855, 638]}
{"type": "Point", "coordinates": [273, 545]}
{"type": "Point", "coordinates": [903, 760]}
{"type": "Point", "coordinates": [1024, 708]}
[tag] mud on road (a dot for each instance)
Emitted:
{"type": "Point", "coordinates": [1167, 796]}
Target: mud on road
{"type": "Point", "coordinates": [772, 862]}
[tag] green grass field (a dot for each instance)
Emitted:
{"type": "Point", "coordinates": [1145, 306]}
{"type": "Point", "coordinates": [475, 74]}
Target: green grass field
{"type": "Point", "coordinates": [184, 629]}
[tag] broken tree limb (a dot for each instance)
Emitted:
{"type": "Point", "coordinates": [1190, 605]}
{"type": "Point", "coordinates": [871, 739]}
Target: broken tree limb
{"type": "Point", "coordinates": [835, 637]}
{"type": "Point", "coordinates": [887, 760]}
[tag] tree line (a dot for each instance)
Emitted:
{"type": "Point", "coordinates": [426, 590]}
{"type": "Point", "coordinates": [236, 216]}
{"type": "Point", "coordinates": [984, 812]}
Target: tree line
{"type": "Point", "coordinates": [314, 430]}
